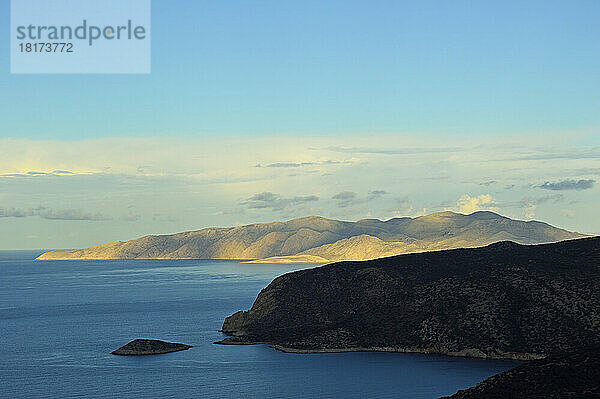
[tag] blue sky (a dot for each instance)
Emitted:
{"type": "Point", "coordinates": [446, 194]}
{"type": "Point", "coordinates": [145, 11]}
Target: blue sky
{"type": "Point", "coordinates": [259, 110]}
{"type": "Point", "coordinates": [331, 67]}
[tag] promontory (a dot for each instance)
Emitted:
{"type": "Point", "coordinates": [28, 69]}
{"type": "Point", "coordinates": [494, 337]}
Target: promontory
{"type": "Point", "coordinates": [504, 300]}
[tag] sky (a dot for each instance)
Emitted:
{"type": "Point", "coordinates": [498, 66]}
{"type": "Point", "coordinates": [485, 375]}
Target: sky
{"type": "Point", "coordinates": [258, 111]}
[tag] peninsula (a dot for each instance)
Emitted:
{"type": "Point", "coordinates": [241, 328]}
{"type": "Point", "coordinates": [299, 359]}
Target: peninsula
{"type": "Point", "coordinates": [504, 300]}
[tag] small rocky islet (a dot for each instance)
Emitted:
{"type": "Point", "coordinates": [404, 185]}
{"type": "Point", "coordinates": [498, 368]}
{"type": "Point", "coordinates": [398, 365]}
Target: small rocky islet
{"type": "Point", "coordinates": [141, 347]}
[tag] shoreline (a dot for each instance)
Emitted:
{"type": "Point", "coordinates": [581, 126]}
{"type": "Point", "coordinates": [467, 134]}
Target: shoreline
{"type": "Point", "coordinates": [473, 353]}
{"type": "Point", "coordinates": [241, 260]}
{"type": "Point", "coordinates": [465, 353]}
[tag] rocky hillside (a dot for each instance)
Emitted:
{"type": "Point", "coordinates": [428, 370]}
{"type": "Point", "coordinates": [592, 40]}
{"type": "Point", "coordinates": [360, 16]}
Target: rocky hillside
{"type": "Point", "coordinates": [505, 300]}
{"type": "Point", "coordinates": [316, 239]}
{"type": "Point", "coordinates": [567, 375]}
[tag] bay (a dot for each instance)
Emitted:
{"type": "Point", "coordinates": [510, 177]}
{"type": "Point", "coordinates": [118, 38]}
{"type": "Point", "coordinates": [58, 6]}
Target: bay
{"type": "Point", "coordinates": [59, 320]}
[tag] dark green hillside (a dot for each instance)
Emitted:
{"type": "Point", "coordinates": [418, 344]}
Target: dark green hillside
{"type": "Point", "coordinates": [501, 301]}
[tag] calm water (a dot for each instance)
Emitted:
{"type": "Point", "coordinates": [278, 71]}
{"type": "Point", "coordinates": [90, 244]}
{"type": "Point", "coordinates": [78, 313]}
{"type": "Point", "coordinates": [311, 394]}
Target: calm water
{"type": "Point", "coordinates": [59, 320]}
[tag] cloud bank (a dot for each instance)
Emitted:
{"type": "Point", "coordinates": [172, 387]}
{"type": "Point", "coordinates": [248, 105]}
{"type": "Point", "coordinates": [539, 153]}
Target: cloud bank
{"type": "Point", "coordinates": [190, 183]}
{"type": "Point", "coordinates": [276, 202]}
{"type": "Point", "coordinates": [51, 214]}
{"type": "Point", "coordinates": [569, 184]}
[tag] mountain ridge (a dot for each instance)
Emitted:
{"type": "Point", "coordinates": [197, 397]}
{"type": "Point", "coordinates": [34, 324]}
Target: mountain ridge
{"type": "Point", "coordinates": [314, 238]}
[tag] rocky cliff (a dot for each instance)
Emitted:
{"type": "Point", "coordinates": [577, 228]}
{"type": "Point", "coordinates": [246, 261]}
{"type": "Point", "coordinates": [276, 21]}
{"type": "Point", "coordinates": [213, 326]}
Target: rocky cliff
{"type": "Point", "coordinates": [501, 301]}
{"type": "Point", "coordinates": [316, 239]}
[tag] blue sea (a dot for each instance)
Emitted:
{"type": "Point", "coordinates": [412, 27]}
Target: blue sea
{"type": "Point", "coordinates": [59, 320]}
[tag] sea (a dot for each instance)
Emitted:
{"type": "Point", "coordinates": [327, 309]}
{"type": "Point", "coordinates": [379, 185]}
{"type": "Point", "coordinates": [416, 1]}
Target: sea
{"type": "Point", "coordinates": [59, 321]}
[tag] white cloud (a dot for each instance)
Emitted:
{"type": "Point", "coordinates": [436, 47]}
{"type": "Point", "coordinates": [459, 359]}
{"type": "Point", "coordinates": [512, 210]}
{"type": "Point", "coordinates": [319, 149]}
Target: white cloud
{"type": "Point", "coordinates": [484, 202]}
{"type": "Point", "coordinates": [530, 211]}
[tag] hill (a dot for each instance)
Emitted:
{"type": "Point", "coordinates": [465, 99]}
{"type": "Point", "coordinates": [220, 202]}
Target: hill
{"type": "Point", "coordinates": [317, 239]}
{"type": "Point", "coordinates": [504, 300]}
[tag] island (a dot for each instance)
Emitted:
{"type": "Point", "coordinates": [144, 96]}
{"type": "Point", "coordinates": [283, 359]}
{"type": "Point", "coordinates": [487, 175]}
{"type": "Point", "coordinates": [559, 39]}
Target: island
{"type": "Point", "coordinates": [316, 239]}
{"type": "Point", "coordinates": [139, 347]}
{"type": "Point", "coordinates": [501, 301]}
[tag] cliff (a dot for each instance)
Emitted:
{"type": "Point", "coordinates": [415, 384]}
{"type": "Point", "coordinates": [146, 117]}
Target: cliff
{"type": "Point", "coordinates": [504, 300]}
{"type": "Point", "coordinates": [319, 240]}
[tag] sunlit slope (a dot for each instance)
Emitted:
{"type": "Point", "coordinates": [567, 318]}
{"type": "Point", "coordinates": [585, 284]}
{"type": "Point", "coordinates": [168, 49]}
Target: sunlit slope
{"type": "Point", "coordinates": [316, 239]}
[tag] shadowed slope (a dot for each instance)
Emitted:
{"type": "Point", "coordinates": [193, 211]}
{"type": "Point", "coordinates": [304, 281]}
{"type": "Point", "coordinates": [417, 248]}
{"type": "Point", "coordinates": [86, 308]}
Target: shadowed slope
{"type": "Point", "coordinates": [566, 375]}
{"type": "Point", "coordinates": [501, 301]}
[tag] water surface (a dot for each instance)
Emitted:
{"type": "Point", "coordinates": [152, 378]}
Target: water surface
{"type": "Point", "coordinates": [60, 319]}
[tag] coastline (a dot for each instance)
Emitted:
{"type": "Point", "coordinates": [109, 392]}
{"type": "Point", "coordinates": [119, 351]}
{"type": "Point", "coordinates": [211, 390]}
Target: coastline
{"type": "Point", "coordinates": [40, 258]}
{"type": "Point", "coordinates": [466, 353]}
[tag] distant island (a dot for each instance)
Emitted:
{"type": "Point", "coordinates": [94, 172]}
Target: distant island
{"type": "Point", "coordinates": [141, 347]}
{"type": "Point", "coordinates": [502, 301]}
{"type": "Point", "coordinates": [319, 240]}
